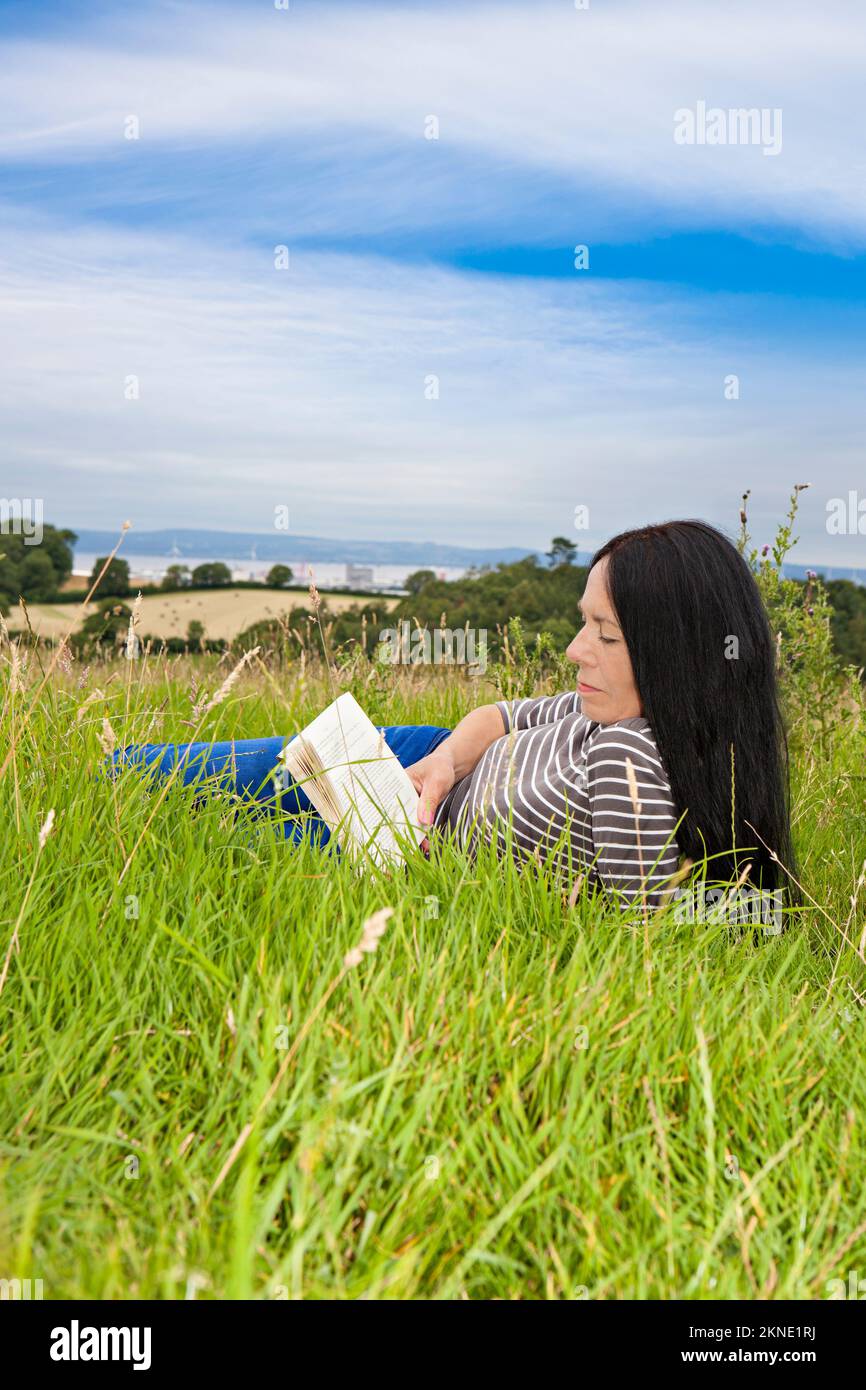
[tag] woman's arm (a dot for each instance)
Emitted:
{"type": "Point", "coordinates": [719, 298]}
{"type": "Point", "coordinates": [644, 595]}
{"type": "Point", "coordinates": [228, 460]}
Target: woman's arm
{"type": "Point", "coordinates": [434, 776]}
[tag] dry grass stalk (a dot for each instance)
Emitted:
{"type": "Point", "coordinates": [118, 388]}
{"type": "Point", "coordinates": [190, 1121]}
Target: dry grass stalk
{"type": "Point", "coordinates": [858, 950]}
{"type": "Point", "coordinates": [201, 710]}
{"type": "Point", "coordinates": [132, 643]}
{"type": "Point", "coordinates": [47, 826]}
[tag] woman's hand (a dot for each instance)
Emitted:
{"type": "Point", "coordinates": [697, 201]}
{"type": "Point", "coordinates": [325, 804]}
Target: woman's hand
{"type": "Point", "coordinates": [432, 777]}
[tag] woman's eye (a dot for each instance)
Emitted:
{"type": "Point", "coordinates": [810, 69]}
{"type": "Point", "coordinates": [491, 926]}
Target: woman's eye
{"type": "Point", "coordinates": [608, 641]}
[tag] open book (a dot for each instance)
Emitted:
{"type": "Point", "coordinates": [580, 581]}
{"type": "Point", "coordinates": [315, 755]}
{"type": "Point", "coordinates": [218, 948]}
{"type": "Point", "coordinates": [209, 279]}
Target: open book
{"type": "Point", "coordinates": [354, 781]}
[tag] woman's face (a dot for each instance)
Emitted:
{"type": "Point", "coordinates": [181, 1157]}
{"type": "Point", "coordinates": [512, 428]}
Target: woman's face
{"type": "Point", "coordinates": [601, 656]}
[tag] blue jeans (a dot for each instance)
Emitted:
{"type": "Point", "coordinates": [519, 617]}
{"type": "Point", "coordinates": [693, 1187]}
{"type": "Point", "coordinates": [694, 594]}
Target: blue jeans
{"type": "Point", "coordinates": [247, 767]}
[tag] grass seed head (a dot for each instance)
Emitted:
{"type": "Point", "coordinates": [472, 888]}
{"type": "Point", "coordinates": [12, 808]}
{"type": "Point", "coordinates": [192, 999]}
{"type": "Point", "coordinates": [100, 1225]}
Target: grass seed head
{"type": "Point", "coordinates": [371, 931]}
{"type": "Point", "coordinates": [46, 828]}
{"type": "Point", "coordinates": [315, 596]}
{"type": "Point", "coordinates": [201, 710]}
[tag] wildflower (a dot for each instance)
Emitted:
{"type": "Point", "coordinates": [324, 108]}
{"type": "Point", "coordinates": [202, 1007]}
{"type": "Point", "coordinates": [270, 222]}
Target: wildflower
{"type": "Point", "coordinates": [765, 550]}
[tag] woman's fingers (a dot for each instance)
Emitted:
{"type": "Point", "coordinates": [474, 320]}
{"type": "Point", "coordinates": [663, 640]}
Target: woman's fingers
{"type": "Point", "coordinates": [415, 773]}
{"type": "Point", "coordinates": [432, 778]}
{"type": "Point", "coordinates": [436, 785]}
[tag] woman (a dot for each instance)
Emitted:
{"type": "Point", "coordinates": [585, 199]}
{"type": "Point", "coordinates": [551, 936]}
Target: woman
{"type": "Point", "coordinates": [675, 676]}
{"type": "Point", "coordinates": [676, 673]}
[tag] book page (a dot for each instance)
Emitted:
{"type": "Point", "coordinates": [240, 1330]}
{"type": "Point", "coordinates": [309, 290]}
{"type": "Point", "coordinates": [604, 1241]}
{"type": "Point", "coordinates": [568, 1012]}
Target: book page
{"type": "Point", "coordinates": [353, 768]}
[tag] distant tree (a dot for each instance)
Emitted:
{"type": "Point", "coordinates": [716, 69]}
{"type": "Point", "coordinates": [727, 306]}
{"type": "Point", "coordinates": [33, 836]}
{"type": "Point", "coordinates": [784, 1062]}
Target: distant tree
{"type": "Point", "coordinates": [108, 624]}
{"type": "Point", "coordinates": [194, 632]}
{"type": "Point", "coordinates": [175, 577]}
{"type": "Point", "coordinates": [544, 598]}
{"type": "Point", "coordinates": [279, 576]}
{"type": "Point", "coordinates": [416, 581]}
{"type": "Point", "coordinates": [211, 575]}
{"type": "Point", "coordinates": [57, 545]}
{"type": "Point", "coordinates": [37, 576]}
{"type": "Point", "coordinates": [562, 551]}
{"type": "Point", "coordinates": [114, 581]}
{"type": "Point", "coordinates": [848, 623]}
{"type": "Point", "coordinates": [35, 572]}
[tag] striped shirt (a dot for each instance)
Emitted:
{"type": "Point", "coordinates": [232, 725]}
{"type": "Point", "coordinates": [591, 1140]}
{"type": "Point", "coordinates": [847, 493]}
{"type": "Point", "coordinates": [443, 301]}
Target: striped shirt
{"type": "Point", "coordinates": [559, 780]}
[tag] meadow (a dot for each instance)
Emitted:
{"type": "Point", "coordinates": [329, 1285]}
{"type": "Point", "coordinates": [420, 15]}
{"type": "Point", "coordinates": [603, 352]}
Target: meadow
{"type": "Point", "coordinates": [517, 1094]}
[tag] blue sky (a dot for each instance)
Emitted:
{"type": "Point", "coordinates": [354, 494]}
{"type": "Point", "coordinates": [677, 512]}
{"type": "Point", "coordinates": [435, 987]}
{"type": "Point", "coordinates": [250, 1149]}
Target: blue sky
{"type": "Point", "coordinates": [431, 363]}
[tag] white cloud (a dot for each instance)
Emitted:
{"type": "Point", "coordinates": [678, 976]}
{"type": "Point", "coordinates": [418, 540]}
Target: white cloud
{"type": "Point", "coordinates": [306, 387]}
{"type": "Point", "coordinates": [542, 88]}
{"type": "Point", "coordinates": [260, 387]}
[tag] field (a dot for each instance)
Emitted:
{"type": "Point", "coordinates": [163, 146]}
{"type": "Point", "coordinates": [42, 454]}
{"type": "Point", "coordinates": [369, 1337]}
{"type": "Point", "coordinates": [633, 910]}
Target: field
{"type": "Point", "coordinates": [514, 1096]}
{"type": "Point", "coordinates": [224, 612]}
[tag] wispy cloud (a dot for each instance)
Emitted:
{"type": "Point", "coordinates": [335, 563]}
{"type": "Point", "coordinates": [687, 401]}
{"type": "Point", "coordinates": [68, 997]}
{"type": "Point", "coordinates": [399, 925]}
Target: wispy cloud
{"type": "Point", "coordinates": [529, 92]}
{"type": "Point", "coordinates": [313, 387]}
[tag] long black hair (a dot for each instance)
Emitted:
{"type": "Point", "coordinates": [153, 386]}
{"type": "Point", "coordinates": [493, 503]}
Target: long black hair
{"type": "Point", "coordinates": [704, 663]}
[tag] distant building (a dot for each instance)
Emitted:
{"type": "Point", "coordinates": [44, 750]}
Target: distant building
{"type": "Point", "coordinates": [359, 577]}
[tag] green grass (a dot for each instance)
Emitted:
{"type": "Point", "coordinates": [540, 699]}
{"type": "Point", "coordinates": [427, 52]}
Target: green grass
{"type": "Point", "coordinates": [503, 1101]}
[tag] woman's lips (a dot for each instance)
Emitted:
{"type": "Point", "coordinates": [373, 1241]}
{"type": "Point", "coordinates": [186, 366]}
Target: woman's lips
{"type": "Point", "coordinates": [589, 689]}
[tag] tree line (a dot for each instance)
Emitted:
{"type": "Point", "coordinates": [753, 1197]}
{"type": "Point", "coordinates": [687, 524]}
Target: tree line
{"type": "Point", "coordinates": [542, 594]}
